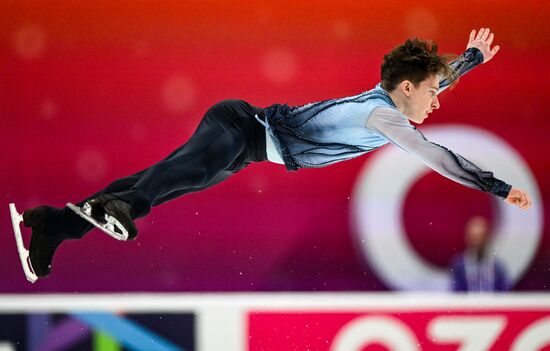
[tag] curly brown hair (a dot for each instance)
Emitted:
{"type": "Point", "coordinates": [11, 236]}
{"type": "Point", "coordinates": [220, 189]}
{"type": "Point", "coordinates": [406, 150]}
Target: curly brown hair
{"type": "Point", "coordinates": [415, 60]}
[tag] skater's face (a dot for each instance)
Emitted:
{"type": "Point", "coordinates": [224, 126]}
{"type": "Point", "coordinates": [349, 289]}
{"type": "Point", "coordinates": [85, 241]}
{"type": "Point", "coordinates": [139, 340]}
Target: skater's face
{"type": "Point", "coordinates": [420, 99]}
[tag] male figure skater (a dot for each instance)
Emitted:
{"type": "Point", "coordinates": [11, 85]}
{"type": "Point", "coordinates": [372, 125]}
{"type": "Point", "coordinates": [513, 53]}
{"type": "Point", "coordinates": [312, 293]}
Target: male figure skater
{"type": "Point", "coordinates": [234, 133]}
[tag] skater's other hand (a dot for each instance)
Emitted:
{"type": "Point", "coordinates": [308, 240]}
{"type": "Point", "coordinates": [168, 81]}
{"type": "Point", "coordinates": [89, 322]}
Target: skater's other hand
{"type": "Point", "coordinates": [519, 198]}
{"type": "Point", "coordinates": [483, 41]}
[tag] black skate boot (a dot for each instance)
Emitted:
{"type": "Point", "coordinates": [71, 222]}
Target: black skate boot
{"type": "Point", "coordinates": [41, 248]}
{"type": "Point", "coordinates": [105, 208]}
{"type": "Point", "coordinates": [41, 252]}
{"type": "Point", "coordinates": [110, 214]}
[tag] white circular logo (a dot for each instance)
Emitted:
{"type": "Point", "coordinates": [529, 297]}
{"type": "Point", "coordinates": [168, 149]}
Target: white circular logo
{"type": "Point", "coordinates": [380, 192]}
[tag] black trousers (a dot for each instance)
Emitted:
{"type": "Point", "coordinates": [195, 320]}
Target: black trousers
{"type": "Point", "coordinates": [227, 140]}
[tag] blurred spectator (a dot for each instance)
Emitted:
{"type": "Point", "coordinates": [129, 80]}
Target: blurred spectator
{"type": "Point", "coordinates": [477, 269]}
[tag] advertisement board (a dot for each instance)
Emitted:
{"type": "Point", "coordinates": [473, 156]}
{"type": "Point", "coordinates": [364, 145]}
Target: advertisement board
{"type": "Point", "coordinates": [278, 322]}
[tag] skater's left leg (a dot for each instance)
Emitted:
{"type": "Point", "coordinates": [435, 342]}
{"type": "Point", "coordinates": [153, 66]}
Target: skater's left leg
{"type": "Point", "coordinates": [227, 139]}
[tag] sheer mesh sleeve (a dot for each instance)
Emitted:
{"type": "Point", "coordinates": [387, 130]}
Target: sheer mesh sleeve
{"type": "Point", "coordinates": [462, 65]}
{"type": "Point", "coordinates": [393, 126]}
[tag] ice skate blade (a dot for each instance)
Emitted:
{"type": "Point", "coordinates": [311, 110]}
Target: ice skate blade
{"type": "Point", "coordinates": [16, 220]}
{"type": "Point", "coordinates": [108, 228]}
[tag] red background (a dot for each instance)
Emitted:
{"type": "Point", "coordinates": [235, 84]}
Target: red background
{"type": "Point", "coordinates": [90, 92]}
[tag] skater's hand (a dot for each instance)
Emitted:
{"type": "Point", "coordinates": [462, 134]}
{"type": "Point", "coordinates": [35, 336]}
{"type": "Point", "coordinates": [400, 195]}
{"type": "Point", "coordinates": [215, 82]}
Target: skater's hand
{"type": "Point", "coordinates": [483, 41]}
{"type": "Point", "coordinates": [519, 198]}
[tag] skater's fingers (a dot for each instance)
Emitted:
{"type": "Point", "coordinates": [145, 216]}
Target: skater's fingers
{"type": "Point", "coordinates": [480, 34]}
{"type": "Point", "coordinates": [527, 200]}
{"type": "Point", "coordinates": [485, 34]}
{"type": "Point", "coordinates": [490, 39]}
{"type": "Point", "coordinates": [472, 35]}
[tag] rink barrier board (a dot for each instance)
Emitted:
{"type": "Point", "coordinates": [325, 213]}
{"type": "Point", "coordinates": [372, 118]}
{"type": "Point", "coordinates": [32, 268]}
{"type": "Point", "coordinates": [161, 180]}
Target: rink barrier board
{"type": "Point", "coordinates": [286, 321]}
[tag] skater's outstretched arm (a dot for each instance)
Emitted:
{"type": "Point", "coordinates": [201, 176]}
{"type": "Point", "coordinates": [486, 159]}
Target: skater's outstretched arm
{"type": "Point", "coordinates": [396, 128]}
{"type": "Point", "coordinates": [478, 51]}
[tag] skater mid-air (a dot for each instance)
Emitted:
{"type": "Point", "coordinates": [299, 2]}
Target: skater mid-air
{"type": "Point", "coordinates": [233, 134]}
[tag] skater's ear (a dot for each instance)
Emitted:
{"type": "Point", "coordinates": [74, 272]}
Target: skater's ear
{"type": "Point", "coordinates": [405, 87]}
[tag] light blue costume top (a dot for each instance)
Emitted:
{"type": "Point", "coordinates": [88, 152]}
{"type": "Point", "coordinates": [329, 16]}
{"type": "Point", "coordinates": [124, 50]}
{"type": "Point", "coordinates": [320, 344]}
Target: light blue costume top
{"type": "Point", "coordinates": [323, 133]}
